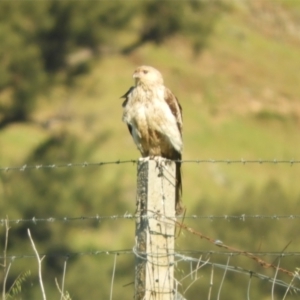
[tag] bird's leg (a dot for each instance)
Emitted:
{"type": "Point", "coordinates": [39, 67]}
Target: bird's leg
{"type": "Point", "coordinates": [147, 158]}
{"type": "Point", "coordinates": [159, 164]}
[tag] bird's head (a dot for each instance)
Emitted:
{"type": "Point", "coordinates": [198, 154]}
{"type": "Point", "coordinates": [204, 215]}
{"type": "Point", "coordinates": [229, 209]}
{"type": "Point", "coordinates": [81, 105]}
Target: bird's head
{"type": "Point", "coordinates": [147, 75]}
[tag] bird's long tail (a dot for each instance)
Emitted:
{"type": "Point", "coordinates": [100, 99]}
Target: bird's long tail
{"type": "Point", "coordinates": [178, 200]}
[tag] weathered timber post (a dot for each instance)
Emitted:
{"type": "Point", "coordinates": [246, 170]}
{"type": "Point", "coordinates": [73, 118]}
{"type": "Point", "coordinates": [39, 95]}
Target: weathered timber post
{"type": "Point", "coordinates": [155, 229]}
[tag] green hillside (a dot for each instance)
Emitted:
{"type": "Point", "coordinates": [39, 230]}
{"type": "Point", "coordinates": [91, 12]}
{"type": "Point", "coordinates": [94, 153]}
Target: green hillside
{"type": "Point", "coordinates": [240, 95]}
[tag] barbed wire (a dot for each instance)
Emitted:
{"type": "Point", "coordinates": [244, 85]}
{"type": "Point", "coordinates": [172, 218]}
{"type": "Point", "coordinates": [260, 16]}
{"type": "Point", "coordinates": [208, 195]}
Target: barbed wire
{"type": "Point", "coordinates": [64, 165]}
{"type": "Point", "coordinates": [68, 255]}
{"type": "Point", "coordinates": [240, 270]}
{"type": "Point", "coordinates": [231, 254]}
{"type": "Point", "coordinates": [242, 161]}
{"type": "Point", "coordinates": [181, 257]}
{"type": "Point", "coordinates": [177, 253]}
{"type": "Point", "coordinates": [128, 216]}
{"type": "Point", "coordinates": [230, 248]}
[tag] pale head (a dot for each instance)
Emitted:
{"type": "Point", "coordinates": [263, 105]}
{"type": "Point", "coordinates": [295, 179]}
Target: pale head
{"type": "Point", "coordinates": [147, 75]}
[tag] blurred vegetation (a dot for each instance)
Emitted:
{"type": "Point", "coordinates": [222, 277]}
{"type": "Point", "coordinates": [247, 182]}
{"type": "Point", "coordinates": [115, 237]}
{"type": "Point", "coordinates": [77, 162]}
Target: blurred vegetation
{"type": "Point", "coordinates": [37, 40]}
{"type": "Point", "coordinates": [63, 65]}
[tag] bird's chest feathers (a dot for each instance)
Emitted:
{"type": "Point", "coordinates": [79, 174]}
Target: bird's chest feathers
{"type": "Point", "coordinates": [146, 108]}
{"type": "Point", "coordinates": [153, 125]}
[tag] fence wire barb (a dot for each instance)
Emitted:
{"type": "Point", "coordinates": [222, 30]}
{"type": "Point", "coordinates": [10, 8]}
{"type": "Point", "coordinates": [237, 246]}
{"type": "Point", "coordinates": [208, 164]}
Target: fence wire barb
{"type": "Point", "coordinates": [69, 255]}
{"type": "Point", "coordinates": [240, 270]}
{"type": "Point", "coordinates": [26, 167]}
{"type": "Point", "coordinates": [242, 161]}
{"type": "Point", "coordinates": [242, 217]}
{"type": "Point", "coordinates": [180, 257]}
{"type": "Point", "coordinates": [248, 254]}
{"type": "Point", "coordinates": [142, 255]}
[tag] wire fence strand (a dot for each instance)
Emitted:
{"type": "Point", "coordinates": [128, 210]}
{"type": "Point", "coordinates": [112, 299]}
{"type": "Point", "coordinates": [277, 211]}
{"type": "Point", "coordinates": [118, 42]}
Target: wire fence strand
{"type": "Point", "coordinates": [242, 161]}
{"type": "Point", "coordinates": [128, 216]}
{"type": "Point", "coordinates": [180, 257]}
{"type": "Point", "coordinates": [208, 258]}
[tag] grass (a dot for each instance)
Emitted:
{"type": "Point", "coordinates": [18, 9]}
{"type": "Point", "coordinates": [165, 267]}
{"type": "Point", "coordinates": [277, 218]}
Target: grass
{"type": "Point", "coordinates": [17, 142]}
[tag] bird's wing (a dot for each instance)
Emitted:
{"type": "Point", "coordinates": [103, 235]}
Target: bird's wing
{"type": "Point", "coordinates": [126, 96]}
{"type": "Point", "coordinates": [175, 108]}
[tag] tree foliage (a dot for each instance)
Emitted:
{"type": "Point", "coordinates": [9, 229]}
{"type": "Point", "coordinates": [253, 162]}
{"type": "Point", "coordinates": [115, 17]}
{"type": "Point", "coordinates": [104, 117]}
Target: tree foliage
{"type": "Point", "coordinates": [162, 19]}
{"type": "Point", "coordinates": [37, 39]}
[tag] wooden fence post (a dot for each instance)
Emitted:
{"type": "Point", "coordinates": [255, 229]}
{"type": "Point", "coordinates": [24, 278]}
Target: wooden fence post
{"type": "Point", "coordinates": [154, 249]}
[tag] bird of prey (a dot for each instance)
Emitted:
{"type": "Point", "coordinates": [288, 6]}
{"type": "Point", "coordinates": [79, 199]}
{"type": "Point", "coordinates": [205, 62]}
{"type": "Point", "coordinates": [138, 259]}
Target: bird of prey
{"type": "Point", "coordinates": [154, 118]}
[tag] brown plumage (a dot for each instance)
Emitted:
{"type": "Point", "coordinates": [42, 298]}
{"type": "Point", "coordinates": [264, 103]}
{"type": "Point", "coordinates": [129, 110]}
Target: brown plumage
{"type": "Point", "coordinates": [154, 119]}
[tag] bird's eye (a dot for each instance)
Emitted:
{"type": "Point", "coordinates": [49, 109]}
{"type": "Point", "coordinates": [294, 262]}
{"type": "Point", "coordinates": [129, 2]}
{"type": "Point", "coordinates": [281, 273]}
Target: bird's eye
{"type": "Point", "coordinates": [145, 71]}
